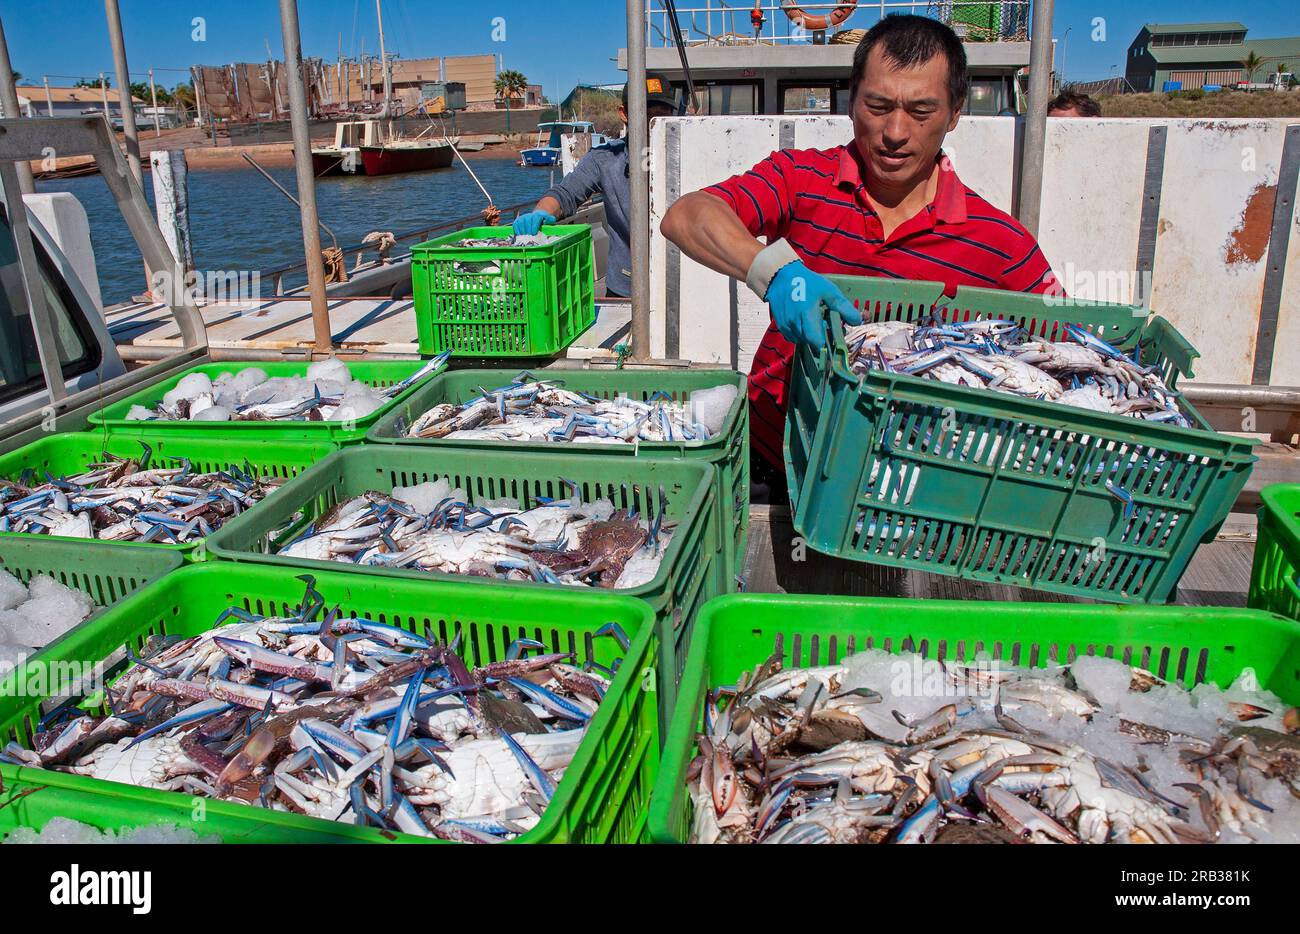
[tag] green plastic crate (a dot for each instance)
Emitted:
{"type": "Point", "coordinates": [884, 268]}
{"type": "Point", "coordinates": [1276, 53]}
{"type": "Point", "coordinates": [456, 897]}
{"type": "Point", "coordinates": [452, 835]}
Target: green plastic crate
{"type": "Point", "coordinates": [601, 798]}
{"type": "Point", "coordinates": [107, 573]}
{"type": "Point", "coordinates": [73, 452]}
{"type": "Point", "coordinates": [503, 301]}
{"type": "Point", "coordinates": [687, 579]}
{"type": "Point", "coordinates": [1190, 645]}
{"type": "Point", "coordinates": [1275, 575]}
{"type": "Point", "coordinates": [908, 472]}
{"type": "Point", "coordinates": [728, 452]}
{"type": "Point", "coordinates": [378, 374]}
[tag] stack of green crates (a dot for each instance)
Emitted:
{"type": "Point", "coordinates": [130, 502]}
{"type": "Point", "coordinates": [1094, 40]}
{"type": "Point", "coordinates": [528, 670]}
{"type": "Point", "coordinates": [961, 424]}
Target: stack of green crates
{"type": "Point", "coordinates": [728, 452]}
{"type": "Point", "coordinates": [503, 301]}
{"type": "Point", "coordinates": [735, 634]}
{"type": "Point", "coordinates": [909, 472]}
{"type": "Point", "coordinates": [602, 797]}
{"type": "Point", "coordinates": [1275, 576]}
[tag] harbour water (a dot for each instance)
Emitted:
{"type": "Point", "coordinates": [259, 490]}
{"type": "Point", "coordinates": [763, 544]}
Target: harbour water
{"type": "Point", "coordinates": [240, 223]}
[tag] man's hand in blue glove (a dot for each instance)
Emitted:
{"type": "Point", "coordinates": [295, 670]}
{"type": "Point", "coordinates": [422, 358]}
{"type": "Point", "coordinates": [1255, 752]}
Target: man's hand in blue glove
{"type": "Point", "coordinates": [796, 297]}
{"type": "Point", "coordinates": [532, 223]}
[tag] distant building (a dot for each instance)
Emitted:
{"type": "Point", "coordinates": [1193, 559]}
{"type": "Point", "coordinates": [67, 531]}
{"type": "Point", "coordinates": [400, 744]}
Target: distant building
{"type": "Point", "coordinates": [364, 80]}
{"type": "Point", "coordinates": [69, 102]}
{"type": "Point", "coordinates": [614, 91]}
{"type": "Point", "coordinates": [166, 117]}
{"type": "Point", "coordinates": [1197, 54]}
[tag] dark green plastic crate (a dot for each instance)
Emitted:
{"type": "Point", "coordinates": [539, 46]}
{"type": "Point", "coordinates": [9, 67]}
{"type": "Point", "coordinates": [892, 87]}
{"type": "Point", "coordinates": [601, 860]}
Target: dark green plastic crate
{"type": "Point", "coordinates": [908, 472]}
{"type": "Point", "coordinates": [378, 374]}
{"type": "Point", "coordinates": [73, 452]}
{"type": "Point", "coordinates": [602, 797]}
{"type": "Point", "coordinates": [687, 579]}
{"type": "Point", "coordinates": [728, 452]}
{"type": "Point", "coordinates": [504, 301]}
{"type": "Point", "coordinates": [1275, 575]}
{"type": "Point", "coordinates": [734, 634]}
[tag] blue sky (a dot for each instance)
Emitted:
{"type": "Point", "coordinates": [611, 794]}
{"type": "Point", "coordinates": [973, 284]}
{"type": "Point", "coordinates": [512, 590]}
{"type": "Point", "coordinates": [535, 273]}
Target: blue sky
{"type": "Point", "coordinates": [557, 44]}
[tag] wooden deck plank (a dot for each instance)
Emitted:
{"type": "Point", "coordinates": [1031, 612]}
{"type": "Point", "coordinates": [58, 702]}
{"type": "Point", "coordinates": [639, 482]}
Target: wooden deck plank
{"type": "Point", "coordinates": [1218, 575]}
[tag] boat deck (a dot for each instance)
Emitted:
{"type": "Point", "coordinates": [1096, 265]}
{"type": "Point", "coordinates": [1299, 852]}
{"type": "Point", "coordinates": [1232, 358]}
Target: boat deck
{"type": "Point", "coordinates": [380, 326]}
{"type": "Point", "coordinates": [1219, 573]}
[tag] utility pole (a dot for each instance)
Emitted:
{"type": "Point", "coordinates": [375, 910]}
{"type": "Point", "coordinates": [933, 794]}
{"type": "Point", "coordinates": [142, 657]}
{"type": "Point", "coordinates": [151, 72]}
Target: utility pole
{"type": "Point", "coordinates": [1030, 200]}
{"type": "Point", "coordinates": [49, 101]}
{"type": "Point", "coordinates": [320, 317]}
{"type": "Point", "coordinates": [9, 98]}
{"type": "Point", "coordinates": [103, 93]}
{"type": "Point", "coordinates": [638, 131]}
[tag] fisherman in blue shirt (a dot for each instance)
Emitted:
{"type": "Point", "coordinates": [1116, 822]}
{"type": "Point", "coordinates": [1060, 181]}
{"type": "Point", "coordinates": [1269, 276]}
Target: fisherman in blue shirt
{"type": "Point", "coordinates": [603, 170]}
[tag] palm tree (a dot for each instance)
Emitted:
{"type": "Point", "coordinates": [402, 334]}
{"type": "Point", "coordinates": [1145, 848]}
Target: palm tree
{"type": "Point", "coordinates": [511, 84]}
{"type": "Point", "coordinates": [18, 76]}
{"type": "Point", "coordinates": [1252, 63]}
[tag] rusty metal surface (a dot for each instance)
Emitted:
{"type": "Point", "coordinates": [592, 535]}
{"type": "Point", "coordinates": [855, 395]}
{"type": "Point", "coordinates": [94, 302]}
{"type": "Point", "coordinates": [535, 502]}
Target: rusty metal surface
{"type": "Point", "coordinates": [1282, 207]}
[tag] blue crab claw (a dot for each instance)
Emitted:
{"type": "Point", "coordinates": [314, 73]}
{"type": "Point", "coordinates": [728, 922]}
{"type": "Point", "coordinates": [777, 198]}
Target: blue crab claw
{"type": "Point", "coordinates": [312, 601]}
{"type": "Point", "coordinates": [591, 665]}
{"type": "Point", "coordinates": [616, 631]}
{"type": "Point", "coordinates": [327, 622]}
{"type": "Point", "coordinates": [430, 748]}
{"type": "Point", "coordinates": [773, 805]}
{"type": "Point", "coordinates": [974, 367]}
{"type": "Point", "coordinates": [405, 718]}
{"type": "Point", "coordinates": [146, 457]}
{"type": "Point", "coordinates": [518, 647]}
{"type": "Point", "coordinates": [549, 700]}
{"type": "Point", "coordinates": [391, 635]}
{"type": "Point", "coordinates": [331, 738]}
{"type": "Point", "coordinates": [366, 816]}
{"type": "Point", "coordinates": [132, 657]}
{"type": "Point", "coordinates": [540, 780]}
{"type": "Point", "coordinates": [1124, 496]}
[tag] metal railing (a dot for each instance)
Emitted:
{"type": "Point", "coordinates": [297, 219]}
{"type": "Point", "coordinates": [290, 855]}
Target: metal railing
{"type": "Point", "coordinates": [720, 23]}
{"type": "Point", "coordinates": [357, 251]}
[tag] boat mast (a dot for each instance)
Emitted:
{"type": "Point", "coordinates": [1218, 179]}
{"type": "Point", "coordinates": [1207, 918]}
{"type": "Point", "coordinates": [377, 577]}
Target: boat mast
{"type": "Point", "coordinates": [383, 67]}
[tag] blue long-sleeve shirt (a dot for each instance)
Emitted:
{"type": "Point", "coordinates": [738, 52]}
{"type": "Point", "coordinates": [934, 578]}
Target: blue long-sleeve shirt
{"type": "Point", "coordinates": [604, 170]}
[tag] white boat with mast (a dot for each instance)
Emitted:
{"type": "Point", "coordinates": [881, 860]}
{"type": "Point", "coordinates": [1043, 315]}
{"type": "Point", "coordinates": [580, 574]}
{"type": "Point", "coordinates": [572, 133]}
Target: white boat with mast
{"type": "Point", "coordinates": [370, 147]}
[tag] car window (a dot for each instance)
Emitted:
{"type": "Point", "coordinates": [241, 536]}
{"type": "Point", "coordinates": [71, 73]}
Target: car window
{"type": "Point", "coordinates": [20, 367]}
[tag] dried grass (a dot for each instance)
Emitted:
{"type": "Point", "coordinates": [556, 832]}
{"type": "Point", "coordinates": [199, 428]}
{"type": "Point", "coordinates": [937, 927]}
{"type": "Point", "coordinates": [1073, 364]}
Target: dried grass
{"type": "Point", "coordinates": [1219, 104]}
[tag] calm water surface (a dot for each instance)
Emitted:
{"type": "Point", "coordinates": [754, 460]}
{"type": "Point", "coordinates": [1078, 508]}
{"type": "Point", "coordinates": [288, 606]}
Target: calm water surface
{"type": "Point", "coordinates": [240, 222]}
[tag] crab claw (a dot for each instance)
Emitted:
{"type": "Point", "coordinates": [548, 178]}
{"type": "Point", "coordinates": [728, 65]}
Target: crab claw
{"type": "Point", "coordinates": [615, 630]}
{"type": "Point", "coordinates": [1247, 712]}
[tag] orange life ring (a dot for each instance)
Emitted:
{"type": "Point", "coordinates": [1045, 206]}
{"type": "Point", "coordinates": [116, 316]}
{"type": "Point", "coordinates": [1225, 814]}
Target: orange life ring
{"type": "Point", "coordinates": [841, 12]}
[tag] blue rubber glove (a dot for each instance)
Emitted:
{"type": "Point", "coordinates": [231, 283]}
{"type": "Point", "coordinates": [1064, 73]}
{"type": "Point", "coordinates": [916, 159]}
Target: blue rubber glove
{"type": "Point", "coordinates": [796, 297]}
{"type": "Point", "coordinates": [531, 223]}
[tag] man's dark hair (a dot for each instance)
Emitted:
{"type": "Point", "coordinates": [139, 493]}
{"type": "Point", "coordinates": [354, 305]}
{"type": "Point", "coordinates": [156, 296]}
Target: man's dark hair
{"type": "Point", "coordinates": [911, 41]}
{"type": "Point", "coordinates": [1075, 100]}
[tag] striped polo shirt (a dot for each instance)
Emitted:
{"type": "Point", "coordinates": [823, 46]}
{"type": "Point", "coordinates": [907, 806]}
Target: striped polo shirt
{"type": "Point", "coordinates": [816, 200]}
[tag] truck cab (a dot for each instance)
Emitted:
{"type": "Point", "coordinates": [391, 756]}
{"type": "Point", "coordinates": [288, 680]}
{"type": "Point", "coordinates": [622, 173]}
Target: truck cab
{"type": "Point", "coordinates": [86, 353]}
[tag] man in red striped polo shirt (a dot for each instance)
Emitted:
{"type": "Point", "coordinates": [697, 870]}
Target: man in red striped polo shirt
{"type": "Point", "coordinates": [886, 204]}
